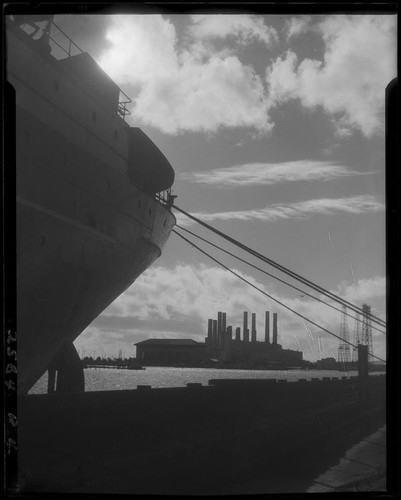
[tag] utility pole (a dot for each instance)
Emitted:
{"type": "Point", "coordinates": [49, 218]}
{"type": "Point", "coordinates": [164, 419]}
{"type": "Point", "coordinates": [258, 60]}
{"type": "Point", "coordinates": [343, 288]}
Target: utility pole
{"type": "Point", "coordinates": [357, 337]}
{"type": "Point", "coordinates": [367, 329]}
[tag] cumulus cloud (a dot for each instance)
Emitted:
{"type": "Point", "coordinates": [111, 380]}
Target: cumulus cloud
{"type": "Point", "coordinates": [366, 290]}
{"type": "Point", "coordinates": [363, 290]}
{"type": "Point", "coordinates": [371, 291]}
{"type": "Point", "coordinates": [141, 48]}
{"type": "Point", "coordinates": [270, 173]}
{"type": "Point", "coordinates": [168, 303]}
{"type": "Point", "coordinates": [359, 61]}
{"type": "Point", "coordinates": [176, 89]}
{"type": "Point", "coordinates": [190, 291]}
{"type": "Point", "coordinates": [177, 302]}
{"type": "Point", "coordinates": [300, 210]}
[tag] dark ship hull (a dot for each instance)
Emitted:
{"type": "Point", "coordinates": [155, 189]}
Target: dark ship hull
{"type": "Point", "coordinates": [90, 217]}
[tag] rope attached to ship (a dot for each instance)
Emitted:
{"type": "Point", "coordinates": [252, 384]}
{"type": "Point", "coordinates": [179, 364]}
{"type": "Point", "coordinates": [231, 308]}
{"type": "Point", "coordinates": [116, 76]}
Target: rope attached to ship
{"type": "Point", "coordinates": [277, 266]}
{"type": "Point", "coordinates": [285, 270]}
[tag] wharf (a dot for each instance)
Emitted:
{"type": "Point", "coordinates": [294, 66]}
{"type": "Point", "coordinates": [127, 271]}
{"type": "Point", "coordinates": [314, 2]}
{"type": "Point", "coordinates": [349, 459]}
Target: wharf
{"type": "Point", "coordinates": [363, 468]}
{"type": "Point", "coordinates": [231, 437]}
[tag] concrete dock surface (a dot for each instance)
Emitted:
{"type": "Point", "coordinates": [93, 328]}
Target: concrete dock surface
{"type": "Point", "coordinates": [363, 468]}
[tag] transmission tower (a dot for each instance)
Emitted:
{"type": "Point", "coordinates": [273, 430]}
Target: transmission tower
{"type": "Point", "coordinates": [357, 337]}
{"type": "Point", "coordinates": [344, 355]}
{"type": "Point", "coordinates": [367, 328]}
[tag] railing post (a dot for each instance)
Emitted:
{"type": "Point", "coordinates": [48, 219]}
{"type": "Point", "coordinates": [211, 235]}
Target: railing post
{"type": "Point", "coordinates": [363, 362]}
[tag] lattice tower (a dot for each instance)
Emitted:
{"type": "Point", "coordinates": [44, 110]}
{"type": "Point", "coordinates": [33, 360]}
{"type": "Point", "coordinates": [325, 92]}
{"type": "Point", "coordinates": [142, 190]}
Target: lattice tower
{"type": "Point", "coordinates": [357, 337]}
{"type": "Point", "coordinates": [344, 354]}
{"type": "Point", "coordinates": [367, 329]}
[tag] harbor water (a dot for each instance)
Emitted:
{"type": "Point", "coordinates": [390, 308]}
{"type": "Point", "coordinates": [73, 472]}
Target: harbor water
{"type": "Point", "coordinates": [113, 379]}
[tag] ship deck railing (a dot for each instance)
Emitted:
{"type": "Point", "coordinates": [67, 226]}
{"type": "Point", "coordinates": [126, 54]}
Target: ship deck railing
{"type": "Point", "coordinates": [62, 47]}
{"type": "Point", "coordinates": [166, 198]}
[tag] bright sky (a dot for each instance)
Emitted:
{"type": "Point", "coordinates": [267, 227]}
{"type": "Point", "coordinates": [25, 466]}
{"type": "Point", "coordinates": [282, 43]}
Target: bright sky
{"type": "Point", "coordinates": [274, 126]}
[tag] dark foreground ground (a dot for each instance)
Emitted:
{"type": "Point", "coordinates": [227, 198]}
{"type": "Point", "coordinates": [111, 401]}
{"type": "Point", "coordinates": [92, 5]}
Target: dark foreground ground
{"type": "Point", "coordinates": [232, 437]}
{"type": "Point", "coordinates": [363, 468]}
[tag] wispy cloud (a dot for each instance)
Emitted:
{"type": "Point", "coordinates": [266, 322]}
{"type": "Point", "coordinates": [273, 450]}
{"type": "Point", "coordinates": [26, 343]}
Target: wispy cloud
{"type": "Point", "coordinates": [271, 173]}
{"type": "Point", "coordinates": [300, 210]}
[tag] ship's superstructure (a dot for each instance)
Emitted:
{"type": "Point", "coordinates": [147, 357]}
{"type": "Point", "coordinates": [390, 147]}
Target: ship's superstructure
{"type": "Point", "coordinates": [91, 212]}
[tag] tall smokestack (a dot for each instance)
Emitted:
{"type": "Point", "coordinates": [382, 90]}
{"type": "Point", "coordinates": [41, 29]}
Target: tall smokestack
{"type": "Point", "coordinates": [267, 327]}
{"type": "Point", "coordinates": [274, 328]}
{"type": "Point", "coordinates": [238, 333]}
{"type": "Point", "coordinates": [219, 329]}
{"type": "Point", "coordinates": [223, 330]}
{"type": "Point", "coordinates": [246, 331]}
{"type": "Point", "coordinates": [214, 334]}
{"type": "Point", "coordinates": [253, 336]}
{"type": "Point", "coordinates": [209, 331]}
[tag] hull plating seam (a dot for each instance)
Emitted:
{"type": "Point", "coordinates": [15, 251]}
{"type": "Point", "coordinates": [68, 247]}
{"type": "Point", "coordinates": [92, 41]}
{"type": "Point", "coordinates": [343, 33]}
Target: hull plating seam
{"type": "Point", "coordinates": [86, 130]}
{"type": "Point", "coordinates": [71, 222]}
{"type": "Point", "coordinates": [90, 193]}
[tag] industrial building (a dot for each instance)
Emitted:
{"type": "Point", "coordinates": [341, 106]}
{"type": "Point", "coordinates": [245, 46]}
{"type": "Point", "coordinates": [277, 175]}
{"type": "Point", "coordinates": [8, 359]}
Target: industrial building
{"type": "Point", "coordinates": [222, 347]}
{"type": "Point", "coordinates": [170, 352]}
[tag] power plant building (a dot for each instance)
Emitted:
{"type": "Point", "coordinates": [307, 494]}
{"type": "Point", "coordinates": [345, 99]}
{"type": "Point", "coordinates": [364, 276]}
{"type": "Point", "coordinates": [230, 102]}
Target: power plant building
{"type": "Point", "coordinates": [223, 345]}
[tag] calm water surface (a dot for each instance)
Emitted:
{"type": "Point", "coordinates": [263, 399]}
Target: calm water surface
{"type": "Point", "coordinates": [106, 379]}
